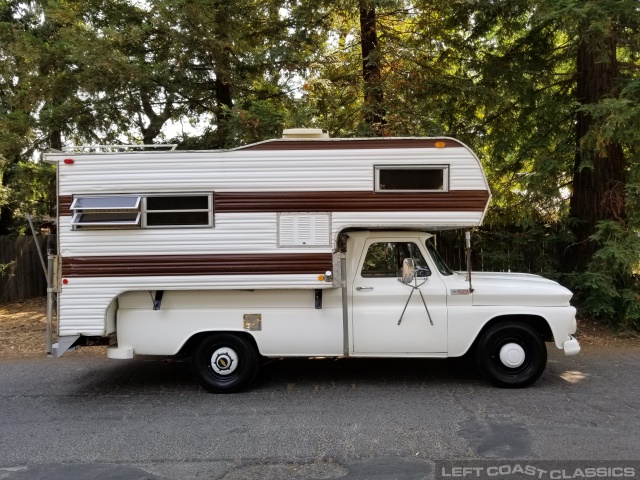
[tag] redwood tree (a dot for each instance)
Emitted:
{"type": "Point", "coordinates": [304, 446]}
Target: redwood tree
{"type": "Point", "coordinates": [373, 92]}
{"type": "Point", "coordinates": [599, 175]}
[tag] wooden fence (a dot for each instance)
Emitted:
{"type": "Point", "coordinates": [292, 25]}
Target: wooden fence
{"type": "Point", "coordinates": [21, 274]}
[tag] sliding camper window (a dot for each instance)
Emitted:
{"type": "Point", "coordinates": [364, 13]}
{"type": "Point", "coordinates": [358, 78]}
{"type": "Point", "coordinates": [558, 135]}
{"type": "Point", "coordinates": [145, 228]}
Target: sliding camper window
{"type": "Point", "coordinates": [148, 211]}
{"type": "Point", "coordinates": [105, 212]}
{"type": "Point", "coordinates": [411, 178]}
{"type": "Point", "coordinates": [166, 211]}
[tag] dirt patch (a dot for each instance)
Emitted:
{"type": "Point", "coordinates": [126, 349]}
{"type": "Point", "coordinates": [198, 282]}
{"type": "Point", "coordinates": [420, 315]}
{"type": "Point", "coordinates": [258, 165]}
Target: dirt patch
{"type": "Point", "coordinates": [598, 333]}
{"type": "Point", "coordinates": [23, 329]}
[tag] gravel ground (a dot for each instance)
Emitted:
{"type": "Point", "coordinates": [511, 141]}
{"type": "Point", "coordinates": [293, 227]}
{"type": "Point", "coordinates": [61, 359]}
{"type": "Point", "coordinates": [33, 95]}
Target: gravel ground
{"type": "Point", "coordinates": [23, 327]}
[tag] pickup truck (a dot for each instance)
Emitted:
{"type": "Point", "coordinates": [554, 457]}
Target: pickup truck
{"type": "Point", "coordinates": [393, 296]}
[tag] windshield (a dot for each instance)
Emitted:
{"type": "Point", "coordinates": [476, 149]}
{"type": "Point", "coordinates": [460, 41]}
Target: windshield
{"type": "Point", "coordinates": [440, 263]}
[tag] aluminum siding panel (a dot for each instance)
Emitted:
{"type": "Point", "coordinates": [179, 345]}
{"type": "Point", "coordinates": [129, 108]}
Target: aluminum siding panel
{"type": "Point", "coordinates": [240, 233]}
{"type": "Point", "coordinates": [244, 170]}
{"type": "Point", "coordinates": [233, 233]}
{"type": "Point", "coordinates": [332, 201]}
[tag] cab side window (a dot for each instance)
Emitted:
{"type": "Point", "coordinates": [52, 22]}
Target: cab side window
{"type": "Point", "coordinates": [384, 259]}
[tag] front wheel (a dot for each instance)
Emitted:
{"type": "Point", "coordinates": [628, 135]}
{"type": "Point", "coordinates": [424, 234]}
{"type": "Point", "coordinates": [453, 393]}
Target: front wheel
{"type": "Point", "coordinates": [511, 355]}
{"type": "Point", "coordinates": [224, 363]}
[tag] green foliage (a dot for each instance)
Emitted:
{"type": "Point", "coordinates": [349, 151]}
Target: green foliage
{"type": "Point", "coordinates": [6, 269]}
{"type": "Point", "coordinates": [610, 288]}
{"type": "Point", "coordinates": [32, 191]}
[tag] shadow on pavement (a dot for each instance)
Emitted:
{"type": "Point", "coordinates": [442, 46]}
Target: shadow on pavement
{"type": "Point", "coordinates": [146, 375]}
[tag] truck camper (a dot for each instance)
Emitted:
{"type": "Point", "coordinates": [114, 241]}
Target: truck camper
{"type": "Point", "coordinates": [299, 246]}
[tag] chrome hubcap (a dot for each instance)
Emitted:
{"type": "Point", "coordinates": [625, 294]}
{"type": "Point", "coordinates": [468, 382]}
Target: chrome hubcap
{"type": "Point", "coordinates": [224, 361]}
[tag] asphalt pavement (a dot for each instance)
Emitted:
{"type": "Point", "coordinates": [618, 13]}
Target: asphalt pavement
{"type": "Point", "coordinates": [82, 417]}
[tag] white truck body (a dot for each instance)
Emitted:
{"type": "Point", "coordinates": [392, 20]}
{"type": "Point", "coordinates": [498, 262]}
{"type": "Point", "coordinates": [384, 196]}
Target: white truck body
{"type": "Point", "coordinates": [281, 244]}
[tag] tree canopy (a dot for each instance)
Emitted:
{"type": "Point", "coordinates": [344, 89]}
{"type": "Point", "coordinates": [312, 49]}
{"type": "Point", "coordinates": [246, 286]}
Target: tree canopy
{"type": "Point", "coordinates": [545, 91]}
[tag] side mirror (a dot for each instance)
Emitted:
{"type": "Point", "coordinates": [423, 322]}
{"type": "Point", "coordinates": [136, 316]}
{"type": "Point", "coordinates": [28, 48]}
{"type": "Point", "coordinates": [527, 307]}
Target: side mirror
{"type": "Point", "coordinates": [408, 270]}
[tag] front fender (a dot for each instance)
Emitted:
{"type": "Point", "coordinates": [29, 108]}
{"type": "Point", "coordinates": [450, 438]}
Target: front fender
{"type": "Point", "coordinates": [466, 323]}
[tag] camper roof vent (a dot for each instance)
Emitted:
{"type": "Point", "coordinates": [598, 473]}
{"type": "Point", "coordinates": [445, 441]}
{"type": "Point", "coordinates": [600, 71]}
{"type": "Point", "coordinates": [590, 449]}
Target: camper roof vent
{"type": "Point", "coordinates": [311, 133]}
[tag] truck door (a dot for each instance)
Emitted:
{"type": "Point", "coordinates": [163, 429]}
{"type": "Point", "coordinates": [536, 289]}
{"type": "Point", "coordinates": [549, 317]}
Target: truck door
{"type": "Point", "coordinates": [379, 299]}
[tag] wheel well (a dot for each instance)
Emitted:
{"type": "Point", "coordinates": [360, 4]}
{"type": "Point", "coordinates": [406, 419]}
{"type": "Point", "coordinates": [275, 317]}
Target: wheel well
{"type": "Point", "coordinates": [195, 339]}
{"type": "Point", "coordinates": [534, 321]}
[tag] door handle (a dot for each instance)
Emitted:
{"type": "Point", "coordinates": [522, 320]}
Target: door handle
{"type": "Point", "coordinates": [364, 288]}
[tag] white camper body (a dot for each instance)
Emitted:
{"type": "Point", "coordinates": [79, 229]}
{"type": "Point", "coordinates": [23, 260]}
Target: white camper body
{"type": "Point", "coordinates": [289, 247]}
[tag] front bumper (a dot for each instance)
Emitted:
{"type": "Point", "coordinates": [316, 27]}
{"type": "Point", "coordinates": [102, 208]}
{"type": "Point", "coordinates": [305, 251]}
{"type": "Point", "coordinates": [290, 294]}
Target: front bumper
{"type": "Point", "coordinates": [571, 346]}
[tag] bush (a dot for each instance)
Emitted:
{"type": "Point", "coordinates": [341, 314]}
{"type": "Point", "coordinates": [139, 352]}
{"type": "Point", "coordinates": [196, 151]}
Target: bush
{"type": "Point", "coordinates": [610, 287]}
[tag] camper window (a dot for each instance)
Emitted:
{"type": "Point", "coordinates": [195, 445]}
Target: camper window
{"type": "Point", "coordinates": [412, 178]}
{"type": "Point", "coordinates": [105, 203]}
{"type": "Point", "coordinates": [105, 212]}
{"type": "Point", "coordinates": [178, 211]}
{"type": "Point", "coordinates": [149, 211]}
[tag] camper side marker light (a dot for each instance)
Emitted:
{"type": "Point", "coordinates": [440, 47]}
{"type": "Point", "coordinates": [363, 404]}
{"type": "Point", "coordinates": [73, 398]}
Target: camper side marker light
{"type": "Point", "coordinates": [68, 161]}
{"type": "Point", "coordinates": [440, 144]}
{"type": "Point", "coordinates": [327, 277]}
{"type": "Point", "coordinates": [65, 281]}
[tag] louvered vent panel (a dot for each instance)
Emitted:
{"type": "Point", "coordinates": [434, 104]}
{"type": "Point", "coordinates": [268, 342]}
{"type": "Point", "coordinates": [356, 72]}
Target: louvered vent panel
{"type": "Point", "coordinates": [304, 230]}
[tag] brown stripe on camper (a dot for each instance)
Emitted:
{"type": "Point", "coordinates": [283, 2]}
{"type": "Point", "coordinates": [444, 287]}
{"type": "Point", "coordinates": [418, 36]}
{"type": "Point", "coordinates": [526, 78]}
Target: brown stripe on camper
{"type": "Point", "coordinates": [337, 201]}
{"type": "Point", "coordinates": [349, 144]}
{"type": "Point", "coordinates": [227, 264]}
{"type": "Point", "coordinates": [360, 201]}
{"type": "Point", "coordinates": [64, 204]}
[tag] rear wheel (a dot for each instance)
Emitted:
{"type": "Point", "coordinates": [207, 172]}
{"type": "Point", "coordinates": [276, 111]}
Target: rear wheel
{"type": "Point", "coordinates": [224, 363]}
{"type": "Point", "coordinates": [511, 355]}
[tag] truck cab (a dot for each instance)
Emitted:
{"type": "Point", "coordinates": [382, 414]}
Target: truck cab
{"type": "Point", "coordinates": [502, 318]}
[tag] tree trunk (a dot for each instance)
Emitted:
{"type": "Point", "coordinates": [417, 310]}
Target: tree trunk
{"type": "Point", "coordinates": [55, 139]}
{"type": "Point", "coordinates": [6, 220]}
{"type": "Point", "coordinates": [373, 94]}
{"type": "Point", "coordinates": [156, 121]}
{"type": "Point", "coordinates": [599, 176]}
{"type": "Point", "coordinates": [224, 104]}
{"type": "Point", "coordinates": [6, 212]}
